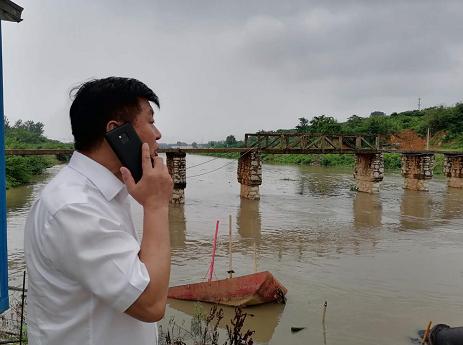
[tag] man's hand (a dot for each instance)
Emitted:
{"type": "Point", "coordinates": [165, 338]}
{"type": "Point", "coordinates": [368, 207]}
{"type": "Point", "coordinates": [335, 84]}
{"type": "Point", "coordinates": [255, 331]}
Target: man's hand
{"type": "Point", "coordinates": [153, 192]}
{"type": "Point", "coordinates": [154, 189]}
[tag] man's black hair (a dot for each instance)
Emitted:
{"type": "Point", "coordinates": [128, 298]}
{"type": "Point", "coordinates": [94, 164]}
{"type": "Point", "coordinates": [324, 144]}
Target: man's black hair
{"type": "Point", "coordinates": [99, 101]}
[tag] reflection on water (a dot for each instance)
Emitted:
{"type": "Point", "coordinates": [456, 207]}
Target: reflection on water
{"type": "Point", "coordinates": [367, 215]}
{"type": "Point", "coordinates": [359, 252]}
{"type": "Point", "coordinates": [248, 220]}
{"type": "Point", "coordinates": [318, 184]}
{"type": "Point", "coordinates": [367, 211]}
{"type": "Point", "coordinates": [266, 325]}
{"type": "Point", "coordinates": [452, 205]}
{"type": "Point", "coordinates": [415, 210]}
{"type": "Point", "coordinates": [177, 222]}
{"type": "Point", "coordinates": [19, 200]}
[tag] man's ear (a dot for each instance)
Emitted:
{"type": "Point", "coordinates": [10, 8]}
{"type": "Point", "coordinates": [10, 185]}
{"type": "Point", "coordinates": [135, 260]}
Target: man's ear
{"type": "Point", "coordinates": [112, 124]}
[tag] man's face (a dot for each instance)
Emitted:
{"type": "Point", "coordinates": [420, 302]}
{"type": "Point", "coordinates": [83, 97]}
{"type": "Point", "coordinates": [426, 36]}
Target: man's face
{"type": "Point", "coordinates": [145, 128]}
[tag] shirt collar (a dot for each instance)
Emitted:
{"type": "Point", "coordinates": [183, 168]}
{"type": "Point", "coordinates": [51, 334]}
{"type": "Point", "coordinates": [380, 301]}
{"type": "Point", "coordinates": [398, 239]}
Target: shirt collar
{"type": "Point", "coordinates": [106, 182]}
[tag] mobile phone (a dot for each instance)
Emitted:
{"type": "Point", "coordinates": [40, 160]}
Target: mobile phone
{"type": "Point", "coordinates": [127, 146]}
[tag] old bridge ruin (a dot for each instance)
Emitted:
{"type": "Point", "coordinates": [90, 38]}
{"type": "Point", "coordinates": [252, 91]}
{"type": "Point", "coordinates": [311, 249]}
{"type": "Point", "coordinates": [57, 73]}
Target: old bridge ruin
{"type": "Point", "coordinates": [417, 166]}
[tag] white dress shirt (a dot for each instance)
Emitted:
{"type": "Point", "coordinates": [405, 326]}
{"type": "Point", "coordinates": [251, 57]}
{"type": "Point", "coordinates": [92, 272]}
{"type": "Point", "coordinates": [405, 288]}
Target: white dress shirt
{"type": "Point", "coordinates": [82, 261]}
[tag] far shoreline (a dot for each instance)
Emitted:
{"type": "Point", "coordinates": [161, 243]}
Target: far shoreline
{"type": "Point", "coordinates": [328, 160]}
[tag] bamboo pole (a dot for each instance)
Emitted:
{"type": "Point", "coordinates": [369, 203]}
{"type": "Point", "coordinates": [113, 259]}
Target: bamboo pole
{"type": "Point", "coordinates": [22, 310]}
{"type": "Point", "coordinates": [214, 245]}
{"type": "Point", "coordinates": [426, 333]}
{"type": "Point", "coordinates": [230, 259]}
{"type": "Point", "coordinates": [324, 312]}
{"type": "Point", "coordinates": [323, 322]}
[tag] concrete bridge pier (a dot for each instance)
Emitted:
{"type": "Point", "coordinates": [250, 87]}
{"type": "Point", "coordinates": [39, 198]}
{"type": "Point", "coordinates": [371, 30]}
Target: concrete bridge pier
{"type": "Point", "coordinates": [417, 169]}
{"type": "Point", "coordinates": [176, 164]}
{"type": "Point", "coordinates": [453, 169]}
{"type": "Point", "coordinates": [369, 171]}
{"type": "Point", "coordinates": [250, 174]}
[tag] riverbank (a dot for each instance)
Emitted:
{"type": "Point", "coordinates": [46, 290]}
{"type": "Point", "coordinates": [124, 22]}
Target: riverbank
{"type": "Point", "coordinates": [391, 160]}
{"type": "Point", "coordinates": [23, 170]}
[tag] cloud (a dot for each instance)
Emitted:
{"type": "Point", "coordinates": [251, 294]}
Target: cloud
{"type": "Point", "coordinates": [230, 67]}
{"type": "Point", "coordinates": [370, 41]}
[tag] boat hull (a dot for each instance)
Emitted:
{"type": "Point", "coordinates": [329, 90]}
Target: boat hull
{"type": "Point", "coordinates": [252, 289]}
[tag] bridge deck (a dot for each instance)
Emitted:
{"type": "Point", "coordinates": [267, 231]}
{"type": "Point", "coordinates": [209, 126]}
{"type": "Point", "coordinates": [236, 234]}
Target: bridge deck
{"type": "Point", "coordinates": [283, 143]}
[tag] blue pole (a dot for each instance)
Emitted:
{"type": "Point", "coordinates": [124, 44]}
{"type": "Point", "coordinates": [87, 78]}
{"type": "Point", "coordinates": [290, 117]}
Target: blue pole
{"type": "Point", "coordinates": [4, 304]}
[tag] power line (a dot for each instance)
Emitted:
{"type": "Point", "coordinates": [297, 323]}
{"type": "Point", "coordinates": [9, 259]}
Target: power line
{"type": "Point", "coordinates": [194, 166]}
{"type": "Point", "coordinates": [208, 172]}
{"type": "Point", "coordinates": [211, 171]}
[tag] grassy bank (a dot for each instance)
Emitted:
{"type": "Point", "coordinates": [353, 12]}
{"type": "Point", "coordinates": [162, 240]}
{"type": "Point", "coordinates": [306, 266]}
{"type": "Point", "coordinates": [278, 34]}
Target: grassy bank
{"type": "Point", "coordinates": [21, 170]}
{"type": "Point", "coordinates": [28, 135]}
{"type": "Point", "coordinates": [391, 160]}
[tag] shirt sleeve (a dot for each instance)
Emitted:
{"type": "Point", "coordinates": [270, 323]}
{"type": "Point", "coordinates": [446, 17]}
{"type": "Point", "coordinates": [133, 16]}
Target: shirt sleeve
{"type": "Point", "coordinates": [98, 253]}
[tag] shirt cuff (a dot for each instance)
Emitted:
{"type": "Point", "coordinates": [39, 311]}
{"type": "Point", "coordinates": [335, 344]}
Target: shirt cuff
{"type": "Point", "coordinates": [136, 285]}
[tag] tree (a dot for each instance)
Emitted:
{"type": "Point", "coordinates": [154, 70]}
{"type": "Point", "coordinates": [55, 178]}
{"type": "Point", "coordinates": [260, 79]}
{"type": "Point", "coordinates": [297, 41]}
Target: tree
{"type": "Point", "coordinates": [34, 127]}
{"type": "Point", "coordinates": [381, 125]}
{"type": "Point", "coordinates": [324, 125]}
{"type": "Point", "coordinates": [354, 119]}
{"type": "Point", "coordinates": [29, 126]}
{"type": "Point", "coordinates": [303, 125]}
{"type": "Point", "coordinates": [194, 145]}
{"type": "Point", "coordinates": [377, 113]}
{"type": "Point", "coordinates": [354, 125]}
{"type": "Point", "coordinates": [6, 123]}
{"type": "Point", "coordinates": [230, 140]}
{"type": "Point", "coordinates": [456, 123]}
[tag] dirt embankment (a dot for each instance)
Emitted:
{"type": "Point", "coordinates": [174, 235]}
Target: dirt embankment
{"type": "Point", "coordinates": [407, 140]}
{"type": "Point", "coordinates": [437, 139]}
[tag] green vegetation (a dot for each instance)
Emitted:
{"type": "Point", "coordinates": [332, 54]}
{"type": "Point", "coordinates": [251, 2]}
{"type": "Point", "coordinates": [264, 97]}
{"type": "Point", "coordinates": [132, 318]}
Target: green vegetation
{"type": "Point", "coordinates": [21, 170]}
{"type": "Point", "coordinates": [391, 160]}
{"type": "Point", "coordinates": [445, 125]}
{"type": "Point", "coordinates": [444, 122]}
{"type": "Point", "coordinates": [28, 135]}
{"type": "Point", "coordinates": [204, 329]}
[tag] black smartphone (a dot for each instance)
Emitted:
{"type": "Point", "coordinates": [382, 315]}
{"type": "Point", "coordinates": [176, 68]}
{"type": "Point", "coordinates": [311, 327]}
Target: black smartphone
{"type": "Point", "coordinates": [127, 146]}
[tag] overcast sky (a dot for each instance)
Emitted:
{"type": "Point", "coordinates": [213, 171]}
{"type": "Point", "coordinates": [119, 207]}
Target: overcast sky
{"type": "Point", "coordinates": [230, 67]}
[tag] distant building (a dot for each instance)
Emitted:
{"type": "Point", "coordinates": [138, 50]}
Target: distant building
{"type": "Point", "coordinates": [178, 145]}
{"type": "Point", "coordinates": [175, 146]}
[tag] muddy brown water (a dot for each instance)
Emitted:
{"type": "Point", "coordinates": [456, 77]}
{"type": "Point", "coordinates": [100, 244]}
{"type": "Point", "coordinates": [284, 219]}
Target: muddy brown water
{"type": "Point", "coordinates": [386, 263]}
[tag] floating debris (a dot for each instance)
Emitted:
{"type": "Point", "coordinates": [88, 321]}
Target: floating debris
{"type": "Point", "coordinates": [296, 329]}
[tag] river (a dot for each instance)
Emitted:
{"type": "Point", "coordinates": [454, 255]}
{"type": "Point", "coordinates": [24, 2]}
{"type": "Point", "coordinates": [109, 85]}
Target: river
{"type": "Point", "coordinates": [385, 263]}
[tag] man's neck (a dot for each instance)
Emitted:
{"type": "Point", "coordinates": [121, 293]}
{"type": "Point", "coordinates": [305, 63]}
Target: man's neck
{"type": "Point", "coordinates": [105, 156]}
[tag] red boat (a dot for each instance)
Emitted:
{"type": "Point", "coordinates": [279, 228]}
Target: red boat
{"type": "Point", "coordinates": [252, 289]}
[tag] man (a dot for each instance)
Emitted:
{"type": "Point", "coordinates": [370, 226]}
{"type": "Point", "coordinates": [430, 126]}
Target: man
{"type": "Point", "coordinates": [90, 280]}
